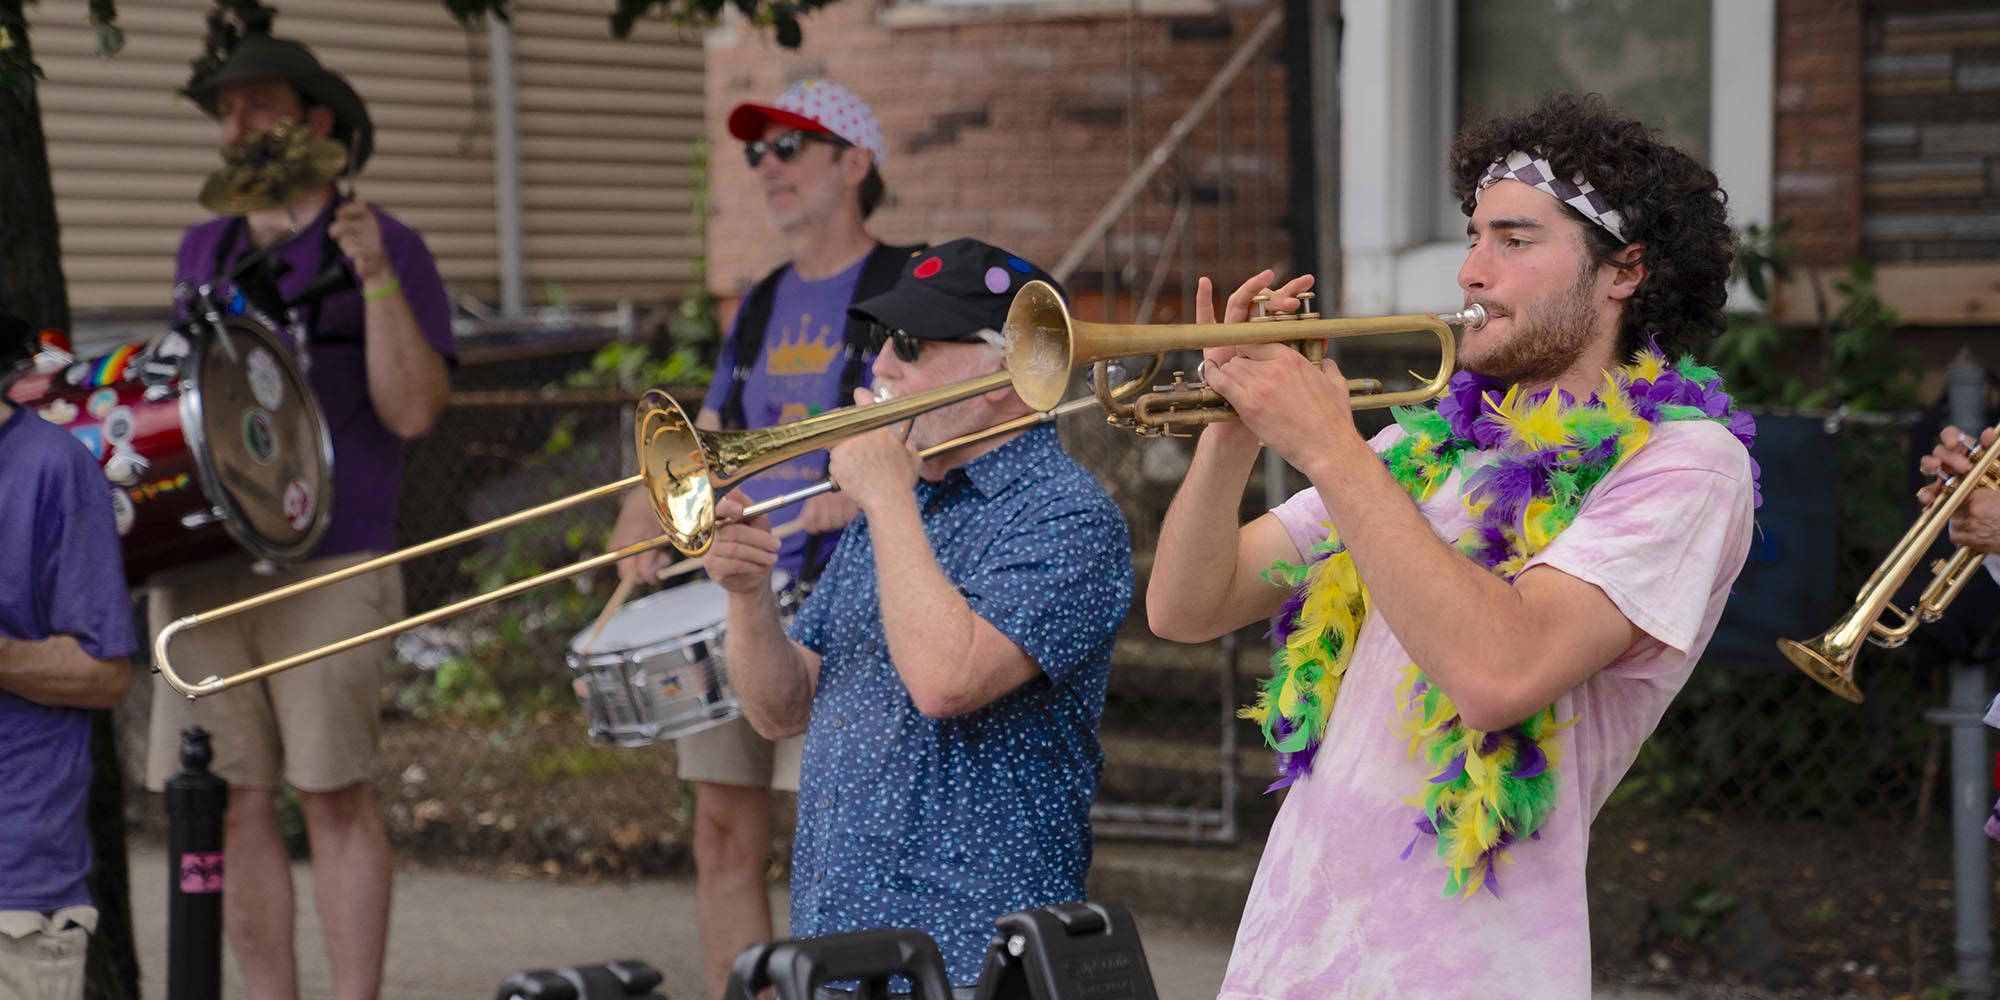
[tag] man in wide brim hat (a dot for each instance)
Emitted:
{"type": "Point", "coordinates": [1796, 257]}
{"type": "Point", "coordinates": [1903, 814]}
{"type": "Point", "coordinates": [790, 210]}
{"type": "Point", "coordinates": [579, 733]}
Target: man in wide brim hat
{"type": "Point", "coordinates": [361, 288]}
{"type": "Point", "coordinates": [264, 57]}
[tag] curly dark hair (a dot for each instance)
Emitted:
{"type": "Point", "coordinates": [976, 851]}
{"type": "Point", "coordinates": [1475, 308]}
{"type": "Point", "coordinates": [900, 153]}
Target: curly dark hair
{"type": "Point", "coordinates": [1670, 204]}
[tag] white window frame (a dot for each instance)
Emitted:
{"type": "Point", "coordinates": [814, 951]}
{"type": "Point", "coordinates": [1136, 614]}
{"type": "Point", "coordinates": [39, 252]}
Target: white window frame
{"type": "Point", "coordinates": [1397, 84]}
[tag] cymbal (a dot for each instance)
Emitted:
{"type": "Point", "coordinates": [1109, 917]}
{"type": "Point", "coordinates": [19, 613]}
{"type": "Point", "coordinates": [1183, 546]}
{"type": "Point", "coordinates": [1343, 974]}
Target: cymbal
{"type": "Point", "coordinates": [268, 169]}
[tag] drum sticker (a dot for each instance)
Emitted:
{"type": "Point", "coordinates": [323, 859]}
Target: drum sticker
{"type": "Point", "coordinates": [92, 439]}
{"type": "Point", "coordinates": [61, 413]}
{"type": "Point", "coordinates": [298, 504]}
{"type": "Point", "coordinates": [173, 347]}
{"type": "Point", "coordinates": [100, 402]}
{"type": "Point", "coordinates": [259, 439]}
{"type": "Point", "coordinates": [122, 512]}
{"type": "Point", "coordinates": [267, 380]}
{"type": "Point", "coordinates": [159, 488]}
{"type": "Point", "coordinates": [125, 466]}
{"type": "Point", "coordinates": [118, 426]}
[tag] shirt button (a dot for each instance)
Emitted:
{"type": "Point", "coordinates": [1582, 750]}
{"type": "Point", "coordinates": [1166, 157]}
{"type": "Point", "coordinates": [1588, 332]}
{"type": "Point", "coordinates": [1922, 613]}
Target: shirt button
{"type": "Point", "coordinates": [825, 803]}
{"type": "Point", "coordinates": [839, 722]}
{"type": "Point", "coordinates": [819, 877]}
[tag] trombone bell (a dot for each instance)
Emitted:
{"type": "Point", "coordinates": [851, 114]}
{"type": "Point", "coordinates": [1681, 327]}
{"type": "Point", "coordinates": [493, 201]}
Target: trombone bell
{"type": "Point", "coordinates": [683, 468]}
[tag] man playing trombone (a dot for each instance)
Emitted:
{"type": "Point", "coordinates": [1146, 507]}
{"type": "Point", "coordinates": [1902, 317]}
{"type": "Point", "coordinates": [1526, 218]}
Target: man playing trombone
{"type": "Point", "coordinates": [949, 670]}
{"type": "Point", "coordinates": [1484, 610]}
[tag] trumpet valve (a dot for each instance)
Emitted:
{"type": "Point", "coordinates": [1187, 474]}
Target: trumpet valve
{"type": "Point", "coordinates": [1260, 309]}
{"type": "Point", "coordinates": [1306, 310]}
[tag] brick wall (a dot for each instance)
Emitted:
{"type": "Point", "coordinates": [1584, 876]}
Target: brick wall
{"type": "Point", "coordinates": [1931, 158]}
{"type": "Point", "coordinates": [1819, 127]}
{"type": "Point", "coordinates": [1013, 130]}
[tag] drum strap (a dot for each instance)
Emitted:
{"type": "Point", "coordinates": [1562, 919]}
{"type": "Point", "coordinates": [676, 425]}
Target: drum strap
{"type": "Point", "coordinates": [883, 267]}
{"type": "Point", "coordinates": [260, 288]}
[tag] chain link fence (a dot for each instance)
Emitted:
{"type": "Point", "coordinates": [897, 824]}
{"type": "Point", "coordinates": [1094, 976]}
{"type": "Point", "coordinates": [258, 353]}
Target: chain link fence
{"type": "Point", "coordinates": [1749, 734]}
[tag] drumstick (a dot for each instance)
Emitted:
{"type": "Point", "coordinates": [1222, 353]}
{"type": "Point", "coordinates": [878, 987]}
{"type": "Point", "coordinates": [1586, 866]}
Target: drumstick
{"type": "Point", "coordinates": [604, 617]}
{"type": "Point", "coordinates": [686, 566]}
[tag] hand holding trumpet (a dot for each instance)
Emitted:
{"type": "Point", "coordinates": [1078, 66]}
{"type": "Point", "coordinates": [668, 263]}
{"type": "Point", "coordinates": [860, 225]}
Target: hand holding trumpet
{"type": "Point", "coordinates": [1976, 524]}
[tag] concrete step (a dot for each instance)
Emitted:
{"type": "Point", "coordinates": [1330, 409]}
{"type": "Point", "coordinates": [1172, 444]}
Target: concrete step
{"type": "Point", "coordinates": [1201, 885]}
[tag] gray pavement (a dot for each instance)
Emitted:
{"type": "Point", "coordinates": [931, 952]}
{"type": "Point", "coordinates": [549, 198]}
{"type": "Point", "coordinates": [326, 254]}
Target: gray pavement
{"type": "Point", "coordinates": [455, 935]}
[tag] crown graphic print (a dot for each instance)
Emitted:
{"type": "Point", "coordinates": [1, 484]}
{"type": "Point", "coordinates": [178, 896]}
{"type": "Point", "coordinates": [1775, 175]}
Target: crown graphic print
{"type": "Point", "coordinates": [797, 353]}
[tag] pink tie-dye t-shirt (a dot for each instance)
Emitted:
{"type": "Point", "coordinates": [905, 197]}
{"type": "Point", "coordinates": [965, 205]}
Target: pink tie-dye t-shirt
{"type": "Point", "coordinates": [1337, 912]}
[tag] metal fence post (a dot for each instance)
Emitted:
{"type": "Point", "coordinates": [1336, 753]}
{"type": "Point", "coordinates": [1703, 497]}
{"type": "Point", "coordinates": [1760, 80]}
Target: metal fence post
{"type": "Point", "coordinates": [1971, 789]}
{"type": "Point", "coordinates": [195, 803]}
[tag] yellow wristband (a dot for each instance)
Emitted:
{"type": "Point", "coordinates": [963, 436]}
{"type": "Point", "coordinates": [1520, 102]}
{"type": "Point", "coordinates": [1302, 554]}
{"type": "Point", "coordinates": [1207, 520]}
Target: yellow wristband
{"type": "Point", "coordinates": [381, 292]}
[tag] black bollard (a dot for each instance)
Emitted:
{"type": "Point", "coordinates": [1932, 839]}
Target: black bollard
{"type": "Point", "coordinates": [195, 803]}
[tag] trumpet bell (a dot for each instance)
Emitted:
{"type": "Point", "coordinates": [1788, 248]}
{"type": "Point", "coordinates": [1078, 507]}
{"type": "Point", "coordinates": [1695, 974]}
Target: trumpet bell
{"type": "Point", "coordinates": [1040, 351]}
{"type": "Point", "coordinates": [676, 471]}
{"type": "Point", "coordinates": [1823, 663]}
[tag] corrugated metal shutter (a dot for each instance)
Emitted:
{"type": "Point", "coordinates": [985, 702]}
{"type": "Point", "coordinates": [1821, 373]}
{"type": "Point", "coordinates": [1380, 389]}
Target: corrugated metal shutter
{"type": "Point", "coordinates": [608, 130]}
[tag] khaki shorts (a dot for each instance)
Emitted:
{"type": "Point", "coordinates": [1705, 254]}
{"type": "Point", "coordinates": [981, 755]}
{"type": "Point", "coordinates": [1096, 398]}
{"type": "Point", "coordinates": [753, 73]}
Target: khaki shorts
{"type": "Point", "coordinates": [733, 754]}
{"type": "Point", "coordinates": [316, 724]}
{"type": "Point", "coordinates": [42, 955]}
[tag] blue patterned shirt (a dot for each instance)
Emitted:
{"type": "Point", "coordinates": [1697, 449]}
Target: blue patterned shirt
{"type": "Point", "coordinates": [942, 825]}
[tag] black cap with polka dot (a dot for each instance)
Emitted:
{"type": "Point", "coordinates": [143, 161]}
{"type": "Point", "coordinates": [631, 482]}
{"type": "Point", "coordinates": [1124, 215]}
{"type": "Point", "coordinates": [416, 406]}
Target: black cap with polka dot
{"type": "Point", "coordinates": [949, 292]}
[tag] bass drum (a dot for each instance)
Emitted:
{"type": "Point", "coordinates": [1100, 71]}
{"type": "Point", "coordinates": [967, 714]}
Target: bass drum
{"type": "Point", "coordinates": [210, 439]}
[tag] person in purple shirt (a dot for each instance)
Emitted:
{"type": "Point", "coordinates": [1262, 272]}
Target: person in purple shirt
{"type": "Point", "coordinates": [793, 352]}
{"type": "Point", "coordinates": [65, 634]}
{"type": "Point", "coordinates": [381, 357]}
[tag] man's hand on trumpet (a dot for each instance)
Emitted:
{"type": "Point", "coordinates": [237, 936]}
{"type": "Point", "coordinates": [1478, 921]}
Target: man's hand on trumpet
{"type": "Point", "coordinates": [1977, 522]}
{"type": "Point", "coordinates": [1287, 402]}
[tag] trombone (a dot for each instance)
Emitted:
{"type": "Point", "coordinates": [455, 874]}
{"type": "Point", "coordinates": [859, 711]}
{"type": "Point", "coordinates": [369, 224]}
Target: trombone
{"type": "Point", "coordinates": [1045, 344]}
{"type": "Point", "coordinates": [681, 468]}
{"type": "Point", "coordinates": [1829, 659]}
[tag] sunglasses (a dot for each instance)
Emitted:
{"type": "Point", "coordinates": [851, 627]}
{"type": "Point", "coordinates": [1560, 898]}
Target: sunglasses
{"type": "Point", "coordinates": [905, 344]}
{"type": "Point", "coordinates": [786, 146]}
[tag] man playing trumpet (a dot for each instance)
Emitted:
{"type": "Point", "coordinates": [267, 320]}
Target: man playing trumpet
{"type": "Point", "coordinates": [1976, 525]}
{"type": "Point", "coordinates": [1484, 610]}
{"type": "Point", "coordinates": [949, 670]}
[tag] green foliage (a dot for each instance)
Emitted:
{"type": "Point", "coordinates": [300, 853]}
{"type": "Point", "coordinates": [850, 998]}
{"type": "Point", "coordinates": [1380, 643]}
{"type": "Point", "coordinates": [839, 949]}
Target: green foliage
{"type": "Point", "coordinates": [1698, 909]}
{"type": "Point", "coordinates": [228, 22]}
{"type": "Point", "coordinates": [1859, 365]}
{"type": "Point", "coordinates": [780, 17]}
{"type": "Point", "coordinates": [582, 762]}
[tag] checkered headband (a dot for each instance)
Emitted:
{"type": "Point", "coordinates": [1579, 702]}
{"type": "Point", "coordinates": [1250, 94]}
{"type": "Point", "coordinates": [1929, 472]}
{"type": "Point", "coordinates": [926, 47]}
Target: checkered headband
{"type": "Point", "coordinates": [1575, 192]}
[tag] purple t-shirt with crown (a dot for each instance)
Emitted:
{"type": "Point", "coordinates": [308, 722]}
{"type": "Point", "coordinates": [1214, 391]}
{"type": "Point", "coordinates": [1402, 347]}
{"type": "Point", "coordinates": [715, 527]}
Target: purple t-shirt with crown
{"type": "Point", "coordinates": [797, 375]}
{"type": "Point", "coordinates": [367, 458]}
{"type": "Point", "coordinates": [64, 577]}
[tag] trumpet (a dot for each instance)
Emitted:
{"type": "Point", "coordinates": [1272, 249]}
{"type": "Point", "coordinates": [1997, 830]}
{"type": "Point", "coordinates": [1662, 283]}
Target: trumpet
{"type": "Point", "coordinates": [1045, 344]}
{"type": "Point", "coordinates": [1829, 659]}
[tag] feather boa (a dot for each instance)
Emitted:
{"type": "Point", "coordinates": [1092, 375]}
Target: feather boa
{"type": "Point", "coordinates": [1486, 790]}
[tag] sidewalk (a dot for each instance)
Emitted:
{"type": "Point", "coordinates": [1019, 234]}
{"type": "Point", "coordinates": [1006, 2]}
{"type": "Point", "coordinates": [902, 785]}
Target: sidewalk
{"type": "Point", "coordinates": [454, 936]}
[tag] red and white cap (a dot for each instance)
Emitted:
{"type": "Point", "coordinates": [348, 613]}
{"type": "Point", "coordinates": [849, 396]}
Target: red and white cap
{"type": "Point", "coordinates": [814, 106]}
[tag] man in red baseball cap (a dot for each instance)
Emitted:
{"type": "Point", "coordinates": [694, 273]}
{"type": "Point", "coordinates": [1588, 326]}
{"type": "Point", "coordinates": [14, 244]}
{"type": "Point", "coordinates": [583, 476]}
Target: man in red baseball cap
{"type": "Point", "coordinates": [792, 352]}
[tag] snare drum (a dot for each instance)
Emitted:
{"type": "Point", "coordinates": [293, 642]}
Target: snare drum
{"type": "Point", "coordinates": [208, 436]}
{"type": "Point", "coordinates": [656, 672]}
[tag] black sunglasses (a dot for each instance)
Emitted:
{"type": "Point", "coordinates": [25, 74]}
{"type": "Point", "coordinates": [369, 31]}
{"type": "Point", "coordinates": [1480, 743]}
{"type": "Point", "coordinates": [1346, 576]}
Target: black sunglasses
{"type": "Point", "coordinates": [906, 345]}
{"type": "Point", "coordinates": [787, 146]}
